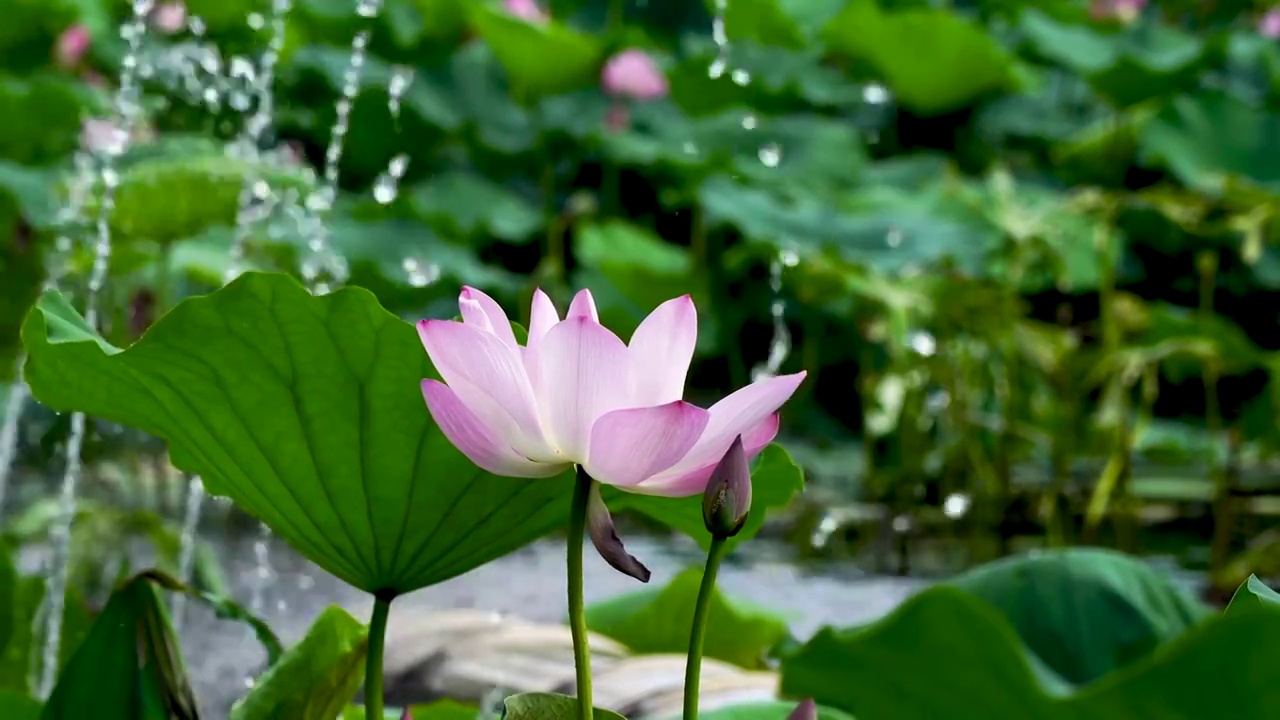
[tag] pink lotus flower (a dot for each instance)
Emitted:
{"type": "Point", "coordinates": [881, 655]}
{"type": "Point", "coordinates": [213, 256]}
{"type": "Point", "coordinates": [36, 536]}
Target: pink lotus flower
{"type": "Point", "coordinates": [72, 45]}
{"type": "Point", "coordinates": [1269, 24]}
{"type": "Point", "coordinates": [575, 394]}
{"type": "Point", "coordinates": [169, 17]}
{"type": "Point", "coordinates": [526, 10]}
{"type": "Point", "coordinates": [634, 75]}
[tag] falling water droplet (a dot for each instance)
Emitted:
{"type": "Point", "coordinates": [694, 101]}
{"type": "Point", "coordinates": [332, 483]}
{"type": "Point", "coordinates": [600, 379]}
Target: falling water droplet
{"type": "Point", "coordinates": [740, 77]}
{"type": "Point", "coordinates": [770, 155]}
{"type": "Point", "coordinates": [401, 79]}
{"type": "Point", "coordinates": [721, 39]}
{"type": "Point", "coordinates": [387, 185]}
{"type": "Point", "coordinates": [749, 122]}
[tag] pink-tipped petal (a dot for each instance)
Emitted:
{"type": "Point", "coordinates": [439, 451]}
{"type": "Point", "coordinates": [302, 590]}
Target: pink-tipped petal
{"type": "Point", "coordinates": [605, 537]}
{"type": "Point", "coordinates": [747, 412]}
{"type": "Point", "coordinates": [631, 445]}
{"type": "Point", "coordinates": [483, 311]}
{"type": "Point", "coordinates": [583, 305]}
{"type": "Point", "coordinates": [679, 482]}
{"type": "Point", "coordinates": [661, 349]}
{"type": "Point", "coordinates": [480, 443]}
{"type": "Point", "coordinates": [489, 376]}
{"type": "Point", "coordinates": [582, 373]}
{"type": "Point", "coordinates": [542, 316]}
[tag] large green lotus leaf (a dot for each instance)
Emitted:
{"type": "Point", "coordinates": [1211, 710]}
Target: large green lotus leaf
{"type": "Point", "coordinates": [935, 61]}
{"type": "Point", "coordinates": [540, 58]}
{"type": "Point", "coordinates": [1127, 67]}
{"type": "Point", "coordinates": [657, 620]}
{"type": "Point", "coordinates": [128, 667]}
{"type": "Point", "coordinates": [306, 411]}
{"type": "Point", "coordinates": [1085, 611]}
{"type": "Point", "coordinates": [315, 678]}
{"type": "Point", "coordinates": [775, 479]}
{"type": "Point", "coordinates": [1211, 139]}
{"type": "Point", "coordinates": [1253, 595]}
{"type": "Point", "coordinates": [947, 654]}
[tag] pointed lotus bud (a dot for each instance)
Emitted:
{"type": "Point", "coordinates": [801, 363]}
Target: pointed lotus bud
{"type": "Point", "coordinates": [606, 540]}
{"type": "Point", "coordinates": [806, 710]}
{"type": "Point", "coordinates": [728, 496]}
{"type": "Point", "coordinates": [71, 46]}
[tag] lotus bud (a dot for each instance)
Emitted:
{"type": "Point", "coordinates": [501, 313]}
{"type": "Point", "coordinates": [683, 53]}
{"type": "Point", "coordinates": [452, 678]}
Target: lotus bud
{"type": "Point", "coordinates": [1269, 25]}
{"type": "Point", "coordinates": [806, 710]}
{"type": "Point", "coordinates": [170, 17]}
{"type": "Point", "coordinates": [72, 45]}
{"type": "Point", "coordinates": [526, 10]}
{"type": "Point", "coordinates": [605, 538]}
{"type": "Point", "coordinates": [727, 499]}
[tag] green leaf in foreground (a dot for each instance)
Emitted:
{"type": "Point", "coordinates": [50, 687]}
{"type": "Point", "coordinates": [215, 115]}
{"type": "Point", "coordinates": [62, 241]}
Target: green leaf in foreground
{"type": "Point", "coordinates": [775, 479]}
{"type": "Point", "coordinates": [306, 412]}
{"type": "Point", "coordinates": [316, 678]}
{"type": "Point", "coordinates": [778, 710]}
{"type": "Point", "coordinates": [946, 654]}
{"type": "Point", "coordinates": [1085, 611]}
{"type": "Point", "coordinates": [128, 667]}
{"type": "Point", "coordinates": [547, 706]}
{"type": "Point", "coordinates": [657, 620]}
{"type": "Point", "coordinates": [1252, 595]}
{"type": "Point", "coordinates": [224, 609]}
{"type": "Point", "coordinates": [438, 710]}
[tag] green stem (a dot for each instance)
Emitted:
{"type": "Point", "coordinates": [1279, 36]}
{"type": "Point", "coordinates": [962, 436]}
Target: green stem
{"type": "Point", "coordinates": [577, 617]}
{"type": "Point", "coordinates": [693, 666]}
{"type": "Point", "coordinates": [373, 665]}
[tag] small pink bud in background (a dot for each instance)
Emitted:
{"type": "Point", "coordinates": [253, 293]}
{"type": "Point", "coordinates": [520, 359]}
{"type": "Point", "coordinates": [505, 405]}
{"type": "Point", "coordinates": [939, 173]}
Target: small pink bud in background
{"type": "Point", "coordinates": [1269, 24]}
{"type": "Point", "coordinates": [1126, 11]}
{"type": "Point", "coordinates": [526, 10]}
{"type": "Point", "coordinates": [633, 74]}
{"type": "Point", "coordinates": [169, 17]}
{"type": "Point", "coordinates": [72, 45]}
{"type": "Point", "coordinates": [806, 710]}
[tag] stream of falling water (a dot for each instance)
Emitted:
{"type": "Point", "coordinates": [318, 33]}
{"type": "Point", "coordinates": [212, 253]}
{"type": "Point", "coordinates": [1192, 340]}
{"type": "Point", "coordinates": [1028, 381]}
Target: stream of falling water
{"type": "Point", "coordinates": [187, 548]}
{"type": "Point", "coordinates": [69, 215]}
{"type": "Point", "coordinates": [126, 109]}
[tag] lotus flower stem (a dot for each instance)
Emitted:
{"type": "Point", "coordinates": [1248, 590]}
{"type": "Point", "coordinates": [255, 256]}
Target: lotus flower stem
{"type": "Point", "coordinates": [577, 616]}
{"type": "Point", "coordinates": [693, 666]}
{"type": "Point", "coordinates": [373, 665]}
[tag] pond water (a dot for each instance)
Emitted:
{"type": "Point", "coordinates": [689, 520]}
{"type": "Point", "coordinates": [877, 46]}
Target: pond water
{"type": "Point", "coordinates": [529, 583]}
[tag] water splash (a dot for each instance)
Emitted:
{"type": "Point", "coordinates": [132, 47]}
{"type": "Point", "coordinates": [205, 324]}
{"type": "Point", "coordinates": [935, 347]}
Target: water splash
{"type": "Point", "coordinates": [187, 547]}
{"type": "Point", "coordinates": [322, 268]}
{"type": "Point", "coordinates": [255, 193]}
{"type": "Point", "coordinates": [401, 79]}
{"type": "Point", "coordinates": [69, 217]}
{"type": "Point", "coordinates": [126, 109]}
{"type": "Point", "coordinates": [780, 345]}
{"type": "Point", "coordinates": [721, 38]}
{"type": "Point", "coordinates": [19, 394]}
{"type": "Point", "coordinates": [387, 186]}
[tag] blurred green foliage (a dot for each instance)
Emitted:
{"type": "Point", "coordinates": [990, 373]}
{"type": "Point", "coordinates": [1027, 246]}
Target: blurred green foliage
{"type": "Point", "coordinates": [1022, 246]}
